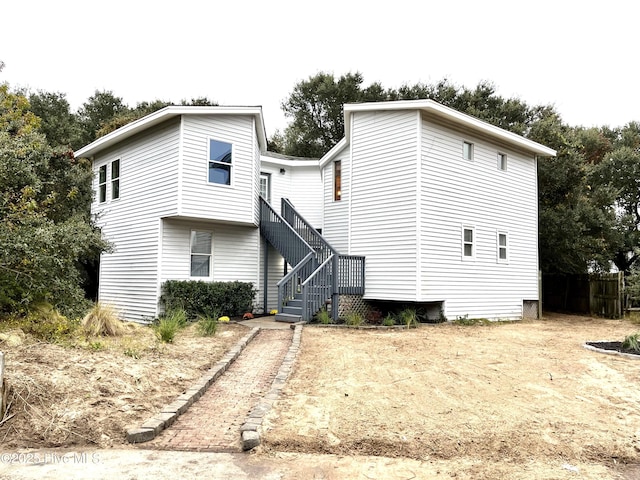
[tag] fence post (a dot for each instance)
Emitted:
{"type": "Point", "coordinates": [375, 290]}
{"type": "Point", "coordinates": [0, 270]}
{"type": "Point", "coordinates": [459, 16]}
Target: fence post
{"type": "Point", "coordinates": [3, 388]}
{"type": "Point", "coordinates": [539, 294]}
{"type": "Point", "coordinates": [335, 293]}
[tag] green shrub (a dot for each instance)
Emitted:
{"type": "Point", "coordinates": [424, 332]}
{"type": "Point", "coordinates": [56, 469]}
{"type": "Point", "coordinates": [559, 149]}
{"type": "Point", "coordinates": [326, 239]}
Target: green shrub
{"type": "Point", "coordinates": [46, 323]}
{"type": "Point", "coordinates": [323, 317]}
{"type": "Point", "coordinates": [169, 324]}
{"type": "Point", "coordinates": [207, 325]}
{"type": "Point", "coordinates": [207, 298]}
{"type": "Point", "coordinates": [389, 320]}
{"type": "Point", "coordinates": [354, 319]}
{"type": "Point", "coordinates": [632, 342]}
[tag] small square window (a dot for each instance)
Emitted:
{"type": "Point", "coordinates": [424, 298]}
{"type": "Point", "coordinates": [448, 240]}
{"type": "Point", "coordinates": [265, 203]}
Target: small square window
{"type": "Point", "coordinates": [502, 161]}
{"type": "Point", "coordinates": [467, 150]}
{"type": "Point", "coordinates": [220, 162]}
{"type": "Point", "coordinates": [102, 184]}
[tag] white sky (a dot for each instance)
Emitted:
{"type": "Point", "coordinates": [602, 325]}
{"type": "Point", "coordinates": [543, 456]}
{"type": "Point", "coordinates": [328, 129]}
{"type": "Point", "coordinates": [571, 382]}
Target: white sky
{"type": "Point", "coordinates": [581, 56]}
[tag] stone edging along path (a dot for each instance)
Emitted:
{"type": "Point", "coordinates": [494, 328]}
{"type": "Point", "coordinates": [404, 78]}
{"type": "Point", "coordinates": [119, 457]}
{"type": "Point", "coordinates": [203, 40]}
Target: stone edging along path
{"type": "Point", "coordinates": [165, 418]}
{"type": "Point", "coordinates": [250, 430]}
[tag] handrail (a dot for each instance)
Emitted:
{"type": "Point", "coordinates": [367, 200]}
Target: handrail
{"type": "Point", "coordinates": [282, 236]}
{"type": "Point", "coordinates": [323, 248]}
{"type": "Point", "coordinates": [318, 288]}
{"type": "Point", "coordinates": [289, 284]}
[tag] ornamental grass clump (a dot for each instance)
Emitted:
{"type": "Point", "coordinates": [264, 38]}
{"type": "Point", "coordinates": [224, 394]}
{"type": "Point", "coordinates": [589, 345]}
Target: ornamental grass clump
{"type": "Point", "coordinates": [169, 325]}
{"type": "Point", "coordinates": [208, 324]}
{"type": "Point", "coordinates": [323, 317]}
{"type": "Point", "coordinates": [353, 319]}
{"type": "Point", "coordinates": [102, 320]}
{"type": "Point", "coordinates": [632, 342]}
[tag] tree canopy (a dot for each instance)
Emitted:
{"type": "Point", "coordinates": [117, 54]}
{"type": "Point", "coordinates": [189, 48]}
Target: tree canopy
{"type": "Point", "coordinates": [45, 229]}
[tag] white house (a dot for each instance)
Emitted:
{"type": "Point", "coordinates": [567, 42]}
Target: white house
{"type": "Point", "coordinates": [443, 206]}
{"type": "Point", "coordinates": [429, 205]}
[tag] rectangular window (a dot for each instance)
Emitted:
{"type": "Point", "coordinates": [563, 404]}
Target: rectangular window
{"type": "Point", "coordinates": [102, 184]}
{"type": "Point", "coordinates": [502, 247]}
{"type": "Point", "coordinates": [265, 186]}
{"type": "Point", "coordinates": [220, 162]}
{"type": "Point", "coordinates": [467, 150]}
{"type": "Point", "coordinates": [201, 254]}
{"type": "Point", "coordinates": [502, 161]}
{"type": "Point", "coordinates": [115, 179]}
{"type": "Point", "coordinates": [468, 243]}
{"type": "Point", "coordinates": [337, 180]}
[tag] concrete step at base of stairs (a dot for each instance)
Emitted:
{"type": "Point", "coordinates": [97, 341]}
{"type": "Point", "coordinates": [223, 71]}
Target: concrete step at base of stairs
{"type": "Point", "coordinates": [288, 317]}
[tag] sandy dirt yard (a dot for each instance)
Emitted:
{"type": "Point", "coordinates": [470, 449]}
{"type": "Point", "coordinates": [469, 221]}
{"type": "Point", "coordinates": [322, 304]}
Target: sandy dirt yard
{"type": "Point", "coordinates": [89, 395]}
{"type": "Point", "coordinates": [517, 400]}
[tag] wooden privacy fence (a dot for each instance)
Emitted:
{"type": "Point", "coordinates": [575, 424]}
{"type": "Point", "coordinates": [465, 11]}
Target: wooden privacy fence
{"type": "Point", "coordinates": [594, 294]}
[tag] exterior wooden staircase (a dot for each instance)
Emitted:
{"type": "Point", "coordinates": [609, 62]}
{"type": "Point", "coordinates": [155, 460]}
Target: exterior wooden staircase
{"type": "Point", "coordinates": [319, 273]}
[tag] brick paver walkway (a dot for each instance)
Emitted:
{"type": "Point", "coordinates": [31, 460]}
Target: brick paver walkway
{"type": "Point", "coordinates": [213, 422]}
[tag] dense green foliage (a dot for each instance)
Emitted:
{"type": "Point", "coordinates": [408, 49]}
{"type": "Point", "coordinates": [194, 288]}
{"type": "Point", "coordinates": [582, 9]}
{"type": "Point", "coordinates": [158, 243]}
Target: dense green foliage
{"type": "Point", "coordinates": [45, 229]}
{"type": "Point", "coordinates": [208, 298]}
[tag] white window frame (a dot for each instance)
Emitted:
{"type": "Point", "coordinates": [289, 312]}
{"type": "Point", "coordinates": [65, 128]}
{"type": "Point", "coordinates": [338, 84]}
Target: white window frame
{"type": "Point", "coordinates": [464, 242]}
{"type": "Point", "coordinates": [504, 247]}
{"type": "Point", "coordinates": [200, 254]}
{"type": "Point", "coordinates": [467, 150]}
{"type": "Point", "coordinates": [115, 180]}
{"type": "Point", "coordinates": [102, 184]}
{"type": "Point", "coordinates": [230, 164]}
{"type": "Point", "coordinates": [267, 178]}
{"type": "Point", "coordinates": [337, 180]}
{"type": "Point", "coordinates": [502, 161]}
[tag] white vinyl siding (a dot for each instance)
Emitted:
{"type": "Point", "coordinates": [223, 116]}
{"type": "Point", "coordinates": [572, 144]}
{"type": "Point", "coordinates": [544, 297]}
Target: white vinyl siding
{"type": "Point", "coordinates": [202, 199]}
{"type": "Point", "coordinates": [336, 214]}
{"type": "Point", "coordinates": [383, 201]}
{"type": "Point", "coordinates": [235, 251]}
{"type": "Point", "coordinates": [473, 193]}
{"type": "Point", "coordinates": [276, 272]}
{"type": "Point", "coordinates": [149, 163]}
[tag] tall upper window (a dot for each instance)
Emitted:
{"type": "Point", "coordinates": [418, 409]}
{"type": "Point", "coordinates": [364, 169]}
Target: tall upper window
{"type": "Point", "coordinates": [115, 179]}
{"type": "Point", "coordinates": [265, 186]}
{"type": "Point", "coordinates": [102, 183]}
{"type": "Point", "coordinates": [220, 162]}
{"type": "Point", "coordinates": [467, 150]}
{"type": "Point", "coordinates": [502, 161]}
{"type": "Point", "coordinates": [502, 247]}
{"type": "Point", "coordinates": [201, 254]}
{"type": "Point", "coordinates": [337, 180]}
{"type": "Point", "coordinates": [468, 243]}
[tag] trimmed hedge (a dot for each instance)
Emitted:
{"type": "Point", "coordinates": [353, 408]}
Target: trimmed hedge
{"type": "Point", "coordinates": [205, 298]}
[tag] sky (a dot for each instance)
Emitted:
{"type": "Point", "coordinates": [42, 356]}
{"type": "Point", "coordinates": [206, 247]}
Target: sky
{"type": "Point", "coordinates": [579, 56]}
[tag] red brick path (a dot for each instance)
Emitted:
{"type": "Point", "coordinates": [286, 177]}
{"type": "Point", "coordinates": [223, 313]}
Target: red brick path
{"type": "Point", "coordinates": [213, 422]}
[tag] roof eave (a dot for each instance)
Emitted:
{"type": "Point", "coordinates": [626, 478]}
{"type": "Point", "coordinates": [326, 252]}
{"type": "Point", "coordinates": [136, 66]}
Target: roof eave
{"type": "Point", "coordinates": [167, 113]}
{"type": "Point", "coordinates": [451, 114]}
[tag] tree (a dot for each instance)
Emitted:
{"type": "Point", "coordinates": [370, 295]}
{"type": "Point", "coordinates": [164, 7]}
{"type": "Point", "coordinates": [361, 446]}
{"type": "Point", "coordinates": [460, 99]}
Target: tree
{"type": "Point", "coordinates": [45, 230]}
{"type": "Point", "coordinates": [618, 169]}
{"type": "Point", "coordinates": [58, 124]}
{"type": "Point", "coordinates": [97, 111]}
{"type": "Point", "coordinates": [315, 106]}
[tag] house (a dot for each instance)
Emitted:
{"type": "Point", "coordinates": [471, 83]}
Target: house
{"type": "Point", "coordinates": [429, 205]}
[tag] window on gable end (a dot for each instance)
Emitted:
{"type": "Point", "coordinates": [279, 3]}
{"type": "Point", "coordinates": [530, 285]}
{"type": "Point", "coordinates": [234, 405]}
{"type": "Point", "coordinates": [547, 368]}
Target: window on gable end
{"type": "Point", "coordinates": [337, 180]}
{"type": "Point", "coordinates": [201, 253]}
{"type": "Point", "coordinates": [467, 150]}
{"type": "Point", "coordinates": [102, 184]}
{"type": "Point", "coordinates": [502, 161]}
{"type": "Point", "coordinates": [115, 179]}
{"type": "Point", "coordinates": [220, 162]}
